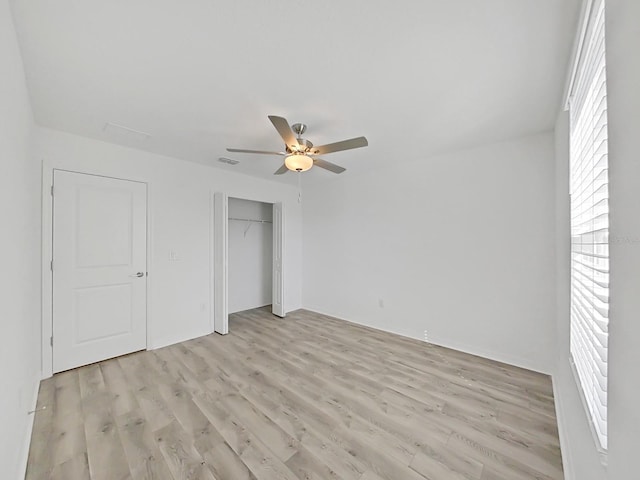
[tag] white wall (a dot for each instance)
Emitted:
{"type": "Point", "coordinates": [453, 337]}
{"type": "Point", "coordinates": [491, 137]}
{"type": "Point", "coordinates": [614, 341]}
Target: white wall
{"type": "Point", "coordinates": [623, 81]}
{"type": "Point", "coordinates": [460, 245]}
{"type": "Point", "coordinates": [20, 271]}
{"type": "Point", "coordinates": [250, 250]}
{"type": "Point", "coordinates": [180, 214]}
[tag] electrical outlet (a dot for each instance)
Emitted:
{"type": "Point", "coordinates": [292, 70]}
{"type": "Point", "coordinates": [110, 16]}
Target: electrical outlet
{"type": "Point", "coordinates": [426, 336]}
{"type": "Point", "coordinates": [381, 303]}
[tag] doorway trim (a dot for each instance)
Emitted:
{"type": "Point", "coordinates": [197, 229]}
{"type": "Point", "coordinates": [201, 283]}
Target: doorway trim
{"type": "Point", "coordinates": [47, 259]}
{"type": "Point", "coordinates": [221, 289]}
{"type": "Point", "coordinates": [220, 265]}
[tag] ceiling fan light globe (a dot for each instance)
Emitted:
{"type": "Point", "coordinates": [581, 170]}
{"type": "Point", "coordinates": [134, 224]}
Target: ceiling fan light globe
{"type": "Point", "coordinates": [298, 163]}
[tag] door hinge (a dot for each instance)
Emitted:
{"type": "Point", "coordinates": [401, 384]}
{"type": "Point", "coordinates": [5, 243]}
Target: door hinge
{"type": "Point", "coordinates": [51, 341]}
{"type": "Point", "coordinates": [52, 265]}
{"type": "Point", "coordinates": [52, 190]}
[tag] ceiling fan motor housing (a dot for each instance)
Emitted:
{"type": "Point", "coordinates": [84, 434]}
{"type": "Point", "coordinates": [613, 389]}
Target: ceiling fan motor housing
{"type": "Point", "coordinates": [303, 146]}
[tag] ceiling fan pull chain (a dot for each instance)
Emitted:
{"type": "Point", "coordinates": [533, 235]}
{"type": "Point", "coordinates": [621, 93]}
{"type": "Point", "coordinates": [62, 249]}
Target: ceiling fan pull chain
{"type": "Point", "coordinates": [299, 187]}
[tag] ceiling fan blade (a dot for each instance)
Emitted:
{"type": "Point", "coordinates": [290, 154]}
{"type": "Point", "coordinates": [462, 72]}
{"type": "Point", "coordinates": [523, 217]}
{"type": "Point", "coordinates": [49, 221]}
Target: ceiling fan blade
{"type": "Point", "coordinates": [281, 170]}
{"type": "Point", "coordinates": [339, 146]}
{"type": "Point", "coordinates": [283, 128]}
{"type": "Point", "coordinates": [264, 152]}
{"type": "Point", "coordinates": [332, 167]}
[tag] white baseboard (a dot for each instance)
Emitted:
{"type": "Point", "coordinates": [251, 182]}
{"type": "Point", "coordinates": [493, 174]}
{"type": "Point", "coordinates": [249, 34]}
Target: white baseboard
{"type": "Point", "coordinates": [567, 462]}
{"type": "Point", "coordinates": [498, 357]}
{"type": "Point", "coordinates": [490, 355]}
{"type": "Point", "coordinates": [165, 342]}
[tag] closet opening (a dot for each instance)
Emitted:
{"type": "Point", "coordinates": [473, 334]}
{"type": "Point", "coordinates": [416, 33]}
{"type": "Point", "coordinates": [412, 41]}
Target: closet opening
{"type": "Point", "coordinates": [248, 238]}
{"type": "Point", "coordinates": [250, 254]}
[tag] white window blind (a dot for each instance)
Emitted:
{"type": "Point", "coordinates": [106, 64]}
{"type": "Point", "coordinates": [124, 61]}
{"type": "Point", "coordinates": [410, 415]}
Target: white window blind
{"type": "Point", "coordinates": [590, 222]}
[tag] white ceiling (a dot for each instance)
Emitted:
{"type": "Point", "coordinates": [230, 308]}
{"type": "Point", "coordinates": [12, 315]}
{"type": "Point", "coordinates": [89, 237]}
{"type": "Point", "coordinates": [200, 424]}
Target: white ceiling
{"type": "Point", "coordinates": [414, 76]}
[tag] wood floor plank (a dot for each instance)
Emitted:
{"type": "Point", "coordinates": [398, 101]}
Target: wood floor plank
{"type": "Point", "coordinates": [76, 468]}
{"type": "Point", "coordinates": [359, 440]}
{"type": "Point", "coordinates": [308, 466]}
{"type": "Point", "coordinates": [69, 438]}
{"type": "Point", "coordinates": [454, 460]}
{"type": "Point", "coordinates": [105, 452]}
{"type": "Point", "coordinates": [90, 380]}
{"type": "Point", "coordinates": [283, 445]}
{"type": "Point", "coordinates": [40, 460]}
{"type": "Point", "coordinates": [303, 421]}
{"type": "Point", "coordinates": [202, 433]}
{"type": "Point", "coordinates": [183, 460]}
{"type": "Point", "coordinates": [123, 399]}
{"type": "Point", "coordinates": [433, 469]}
{"type": "Point", "coordinates": [263, 463]}
{"type": "Point", "coordinates": [156, 411]}
{"type": "Point", "coordinates": [143, 455]}
{"type": "Point", "coordinates": [369, 475]}
{"type": "Point", "coordinates": [224, 463]}
{"type": "Point", "coordinates": [305, 397]}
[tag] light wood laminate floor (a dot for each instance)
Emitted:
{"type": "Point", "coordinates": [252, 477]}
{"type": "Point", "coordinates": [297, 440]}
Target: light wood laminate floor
{"type": "Point", "coordinates": [306, 397]}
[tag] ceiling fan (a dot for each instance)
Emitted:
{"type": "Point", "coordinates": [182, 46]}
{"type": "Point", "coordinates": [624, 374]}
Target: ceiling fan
{"type": "Point", "coordinates": [300, 154]}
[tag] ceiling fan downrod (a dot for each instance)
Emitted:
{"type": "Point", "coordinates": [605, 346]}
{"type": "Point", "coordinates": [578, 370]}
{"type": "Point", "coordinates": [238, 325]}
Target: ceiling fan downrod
{"type": "Point", "coordinates": [299, 129]}
{"type": "Point", "coordinates": [304, 145]}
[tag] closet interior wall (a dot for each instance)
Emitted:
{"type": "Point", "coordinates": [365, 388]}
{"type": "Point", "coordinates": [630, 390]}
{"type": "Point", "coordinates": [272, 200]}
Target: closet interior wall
{"type": "Point", "coordinates": [250, 245]}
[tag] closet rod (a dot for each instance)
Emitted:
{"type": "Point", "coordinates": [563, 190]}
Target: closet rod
{"type": "Point", "coordinates": [250, 220]}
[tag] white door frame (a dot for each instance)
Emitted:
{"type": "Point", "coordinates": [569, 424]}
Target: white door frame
{"type": "Point", "coordinates": [277, 261]}
{"type": "Point", "coordinates": [220, 288]}
{"type": "Point", "coordinates": [219, 268]}
{"type": "Point", "coordinates": [47, 257]}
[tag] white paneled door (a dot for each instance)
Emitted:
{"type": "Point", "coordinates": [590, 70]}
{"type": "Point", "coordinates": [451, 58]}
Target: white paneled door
{"type": "Point", "coordinates": [99, 268]}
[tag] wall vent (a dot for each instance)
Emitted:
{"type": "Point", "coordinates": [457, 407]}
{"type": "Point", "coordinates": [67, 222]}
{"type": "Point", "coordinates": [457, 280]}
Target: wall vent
{"type": "Point", "coordinates": [125, 133]}
{"type": "Point", "coordinates": [228, 161]}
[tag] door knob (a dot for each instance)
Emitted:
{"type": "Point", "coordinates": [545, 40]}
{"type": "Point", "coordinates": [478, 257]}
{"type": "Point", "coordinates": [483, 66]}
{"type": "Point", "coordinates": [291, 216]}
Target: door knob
{"type": "Point", "coordinates": [139, 274]}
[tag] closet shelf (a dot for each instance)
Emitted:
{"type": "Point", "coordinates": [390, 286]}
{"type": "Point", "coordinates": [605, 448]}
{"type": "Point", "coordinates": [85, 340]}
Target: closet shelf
{"type": "Point", "coordinates": [250, 220]}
